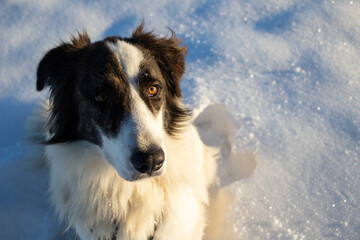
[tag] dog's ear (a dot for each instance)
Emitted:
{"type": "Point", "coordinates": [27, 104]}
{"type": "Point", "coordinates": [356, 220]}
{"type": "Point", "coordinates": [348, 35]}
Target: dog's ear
{"type": "Point", "coordinates": [57, 70]}
{"type": "Point", "coordinates": [57, 66]}
{"type": "Point", "coordinates": [168, 52]}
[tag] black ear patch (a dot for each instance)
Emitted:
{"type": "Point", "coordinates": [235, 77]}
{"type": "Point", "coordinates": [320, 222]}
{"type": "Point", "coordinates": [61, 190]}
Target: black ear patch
{"type": "Point", "coordinates": [58, 70]}
{"type": "Point", "coordinates": [168, 53]}
{"type": "Point", "coordinates": [58, 65]}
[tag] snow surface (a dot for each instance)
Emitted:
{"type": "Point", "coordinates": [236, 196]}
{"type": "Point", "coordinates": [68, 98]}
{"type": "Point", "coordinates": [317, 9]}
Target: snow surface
{"type": "Point", "coordinates": [275, 84]}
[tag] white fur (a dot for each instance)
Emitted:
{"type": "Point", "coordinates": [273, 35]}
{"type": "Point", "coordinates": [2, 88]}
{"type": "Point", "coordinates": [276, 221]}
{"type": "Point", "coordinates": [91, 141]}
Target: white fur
{"type": "Point", "coordinates": [89, 193]}
{"type": "Point", "coordinates": [129, 57]}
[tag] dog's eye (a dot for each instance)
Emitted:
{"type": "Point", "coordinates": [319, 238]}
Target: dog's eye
{"type": "Point", "coordinates": [101, 97]}
{"type": "Point", "coordinates": [153, 91]}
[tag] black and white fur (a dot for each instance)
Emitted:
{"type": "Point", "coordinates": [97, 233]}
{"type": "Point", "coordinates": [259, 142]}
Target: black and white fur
{"type": "Point", "coordinates": [125, 163]}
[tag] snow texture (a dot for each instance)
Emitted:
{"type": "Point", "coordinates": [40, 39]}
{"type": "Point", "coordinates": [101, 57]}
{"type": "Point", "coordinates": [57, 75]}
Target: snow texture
{"type": "Point", "coordinates": [275, 84]}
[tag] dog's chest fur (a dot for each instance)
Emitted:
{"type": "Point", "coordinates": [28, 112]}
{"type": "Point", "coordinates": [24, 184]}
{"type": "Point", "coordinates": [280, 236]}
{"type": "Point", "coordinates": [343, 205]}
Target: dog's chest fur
{"type": "Point", "coordinates": [100, 204]}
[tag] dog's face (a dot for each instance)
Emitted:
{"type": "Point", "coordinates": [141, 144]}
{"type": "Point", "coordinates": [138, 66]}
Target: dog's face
{"type": "Point", "coordinates": [122, 94]}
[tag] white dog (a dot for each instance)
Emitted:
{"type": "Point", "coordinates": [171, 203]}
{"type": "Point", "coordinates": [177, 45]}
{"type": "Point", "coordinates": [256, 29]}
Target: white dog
{"type": "Point", "coordinates": [125, 160]}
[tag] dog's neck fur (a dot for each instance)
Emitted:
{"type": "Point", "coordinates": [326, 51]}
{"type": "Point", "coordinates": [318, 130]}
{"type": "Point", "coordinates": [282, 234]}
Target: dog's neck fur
{"type": "Point", "coordinates": [92, 183]}
{"type": "Point", "coordinates": [100, 185]}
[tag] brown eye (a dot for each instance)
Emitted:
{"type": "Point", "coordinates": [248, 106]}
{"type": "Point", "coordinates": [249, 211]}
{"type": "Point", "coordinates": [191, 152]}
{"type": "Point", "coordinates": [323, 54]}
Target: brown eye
{"type": "Point", "coordinates": [101, 97]}
{"type": "Point", "coordinates": [152, 91]}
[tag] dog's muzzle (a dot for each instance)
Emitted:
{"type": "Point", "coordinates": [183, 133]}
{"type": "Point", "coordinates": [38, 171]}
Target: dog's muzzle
{"type": "Point", "coordinates": [149, 161]}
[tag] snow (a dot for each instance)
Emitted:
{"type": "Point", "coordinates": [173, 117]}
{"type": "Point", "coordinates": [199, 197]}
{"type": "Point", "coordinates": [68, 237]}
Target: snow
{"type": "Point", "coordinates": [275, 84]}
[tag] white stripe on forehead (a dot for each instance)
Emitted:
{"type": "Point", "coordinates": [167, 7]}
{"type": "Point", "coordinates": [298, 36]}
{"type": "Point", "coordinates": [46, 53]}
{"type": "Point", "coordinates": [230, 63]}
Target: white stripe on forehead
{"type": "Point", "coordinates": [129, 57]}
{"type": "Point", "coordinates": [149, 127]}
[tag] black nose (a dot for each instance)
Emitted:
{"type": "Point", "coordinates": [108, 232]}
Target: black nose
{"type": "Point", "coordinates": [148, 161]}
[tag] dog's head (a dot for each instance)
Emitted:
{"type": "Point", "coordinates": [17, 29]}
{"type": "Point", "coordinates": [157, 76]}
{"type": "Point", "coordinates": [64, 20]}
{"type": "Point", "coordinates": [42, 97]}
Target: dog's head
{"type": "Point", "coordinates": [122, 94]}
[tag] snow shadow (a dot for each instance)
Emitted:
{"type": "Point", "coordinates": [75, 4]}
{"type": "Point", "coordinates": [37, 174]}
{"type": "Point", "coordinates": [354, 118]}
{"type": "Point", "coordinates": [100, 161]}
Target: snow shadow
{"type": "Point", "coordinates": [276, 23]}
{"type": "Point", "coordinates": [217, 129]}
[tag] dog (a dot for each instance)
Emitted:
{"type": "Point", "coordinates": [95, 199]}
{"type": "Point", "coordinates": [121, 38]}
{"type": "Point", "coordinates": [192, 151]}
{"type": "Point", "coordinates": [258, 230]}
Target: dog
{"type": "Point", "coordinates": [125, 160]}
